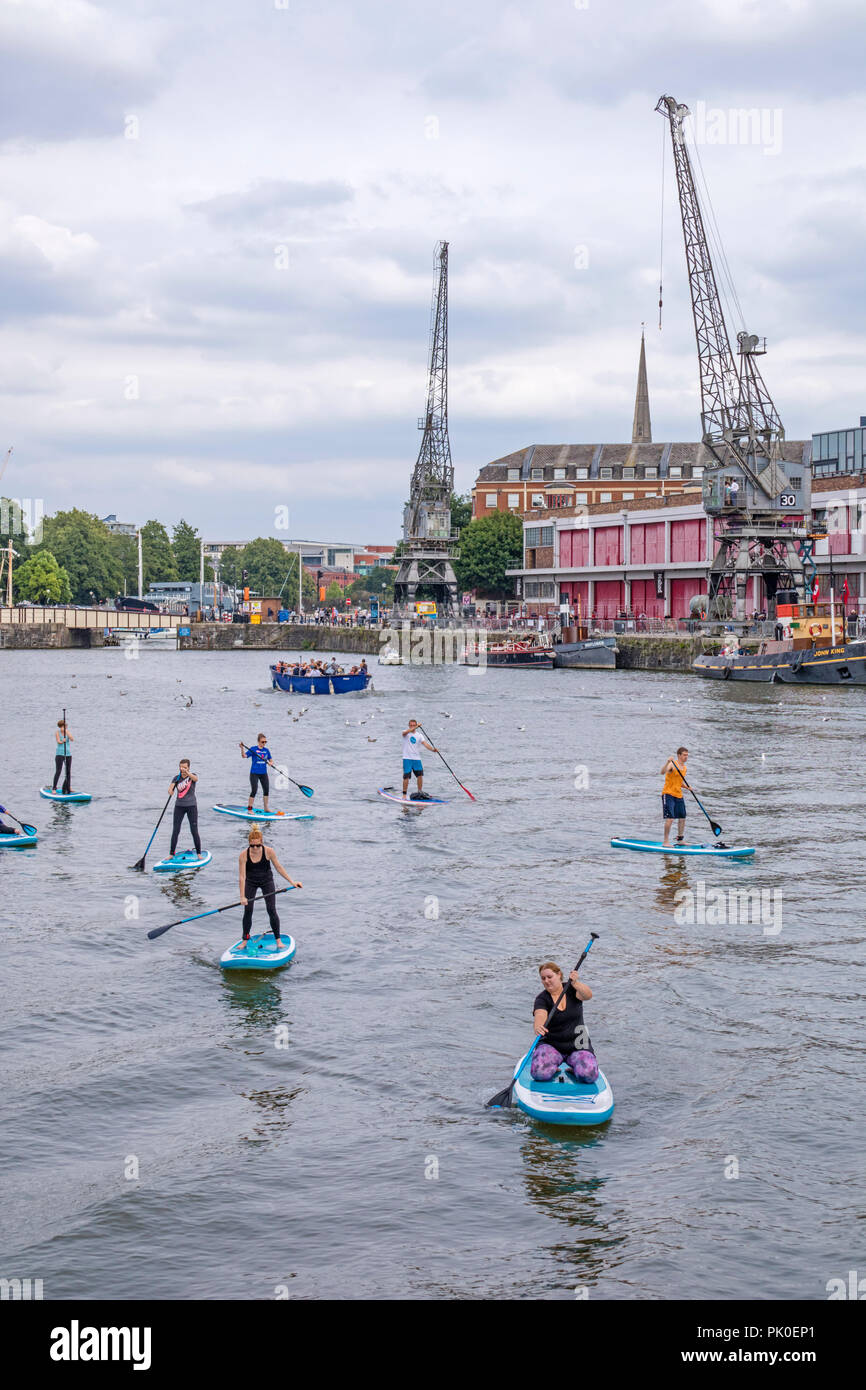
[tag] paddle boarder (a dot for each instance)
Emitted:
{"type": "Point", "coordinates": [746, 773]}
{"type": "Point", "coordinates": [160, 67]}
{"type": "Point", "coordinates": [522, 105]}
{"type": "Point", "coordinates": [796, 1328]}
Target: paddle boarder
{"type": "Point", "coordinates": [412, 765]}
{"type": "Point", "coordinates": [62, 757]}
{"type": "Point", "coordinates": [186, 806]}
{"type": "Point", "coordinates": [673, 802]}
{"type": "Point", "coordinates": [256, 864]}
{"type": "Point", "coordinates": [261, 761]}
{"type": "Point", "coordinates": [4, 828]}
{"type": "Point", "coordinates": [564, 1038]}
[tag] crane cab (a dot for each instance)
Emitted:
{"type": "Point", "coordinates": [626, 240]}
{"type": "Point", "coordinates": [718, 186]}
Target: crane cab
{"type": "Point", "coordinates": [730, 491]}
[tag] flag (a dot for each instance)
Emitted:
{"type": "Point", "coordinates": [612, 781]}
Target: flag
{"type": "Point", "coordinates": [816, 589]}
{"type": "Point", "coordinates": [845, 591]}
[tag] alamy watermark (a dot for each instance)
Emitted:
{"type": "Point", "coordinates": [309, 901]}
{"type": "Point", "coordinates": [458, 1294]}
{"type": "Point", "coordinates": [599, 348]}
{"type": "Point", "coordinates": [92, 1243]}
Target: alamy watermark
{"type": "Point", "coordinates": [437, 646]}
{"type": "Point", "coordinates": [22, 516]}
{"type": "Point", "coordinates": [738, 125]}
{"type": "Point", "coordinates": [738, 907]}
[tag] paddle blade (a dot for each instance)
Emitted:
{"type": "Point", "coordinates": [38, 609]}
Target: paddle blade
{"type": "Point", "coordinates": [501, 1101]}
{"type": "Point", "coordinates": [158, 931]}
{"type": "Point", "coordinates": [308, 791]}
{"type": "Point", "coordinates": [468, 792]}
{"type": "Point", "coordinates": [716, 829]}
{"type": "Point", "coordinates": [139, 864]}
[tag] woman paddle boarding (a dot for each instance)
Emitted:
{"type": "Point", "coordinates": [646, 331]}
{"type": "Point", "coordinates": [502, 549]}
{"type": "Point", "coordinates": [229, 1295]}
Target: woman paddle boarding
{"type": "Point", "coordinates": [256, 864]}
{"type": "Point", "coordinates": [412, 765]}
{"type": "Point", "coordinates": [185, 806]}
{"type": "Point", "coordinates": [62, 757]}
{"type": "Point", "coordinates": [673, 802]}
{"type": "Point", "coordinates": [564, 1037]}
{"type": "Point", "coordinates": [261, 761]}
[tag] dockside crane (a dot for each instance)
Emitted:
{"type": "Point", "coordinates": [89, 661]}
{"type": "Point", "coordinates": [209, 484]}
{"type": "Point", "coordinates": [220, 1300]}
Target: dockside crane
{"type": "Point", "coordinates": [759, 500]}
{"type": "Point", "coordinates": [428, 543]}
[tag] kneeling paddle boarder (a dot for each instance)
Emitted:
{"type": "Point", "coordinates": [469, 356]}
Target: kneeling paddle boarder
{"type": "Point", "coordinates": [564, 1037]}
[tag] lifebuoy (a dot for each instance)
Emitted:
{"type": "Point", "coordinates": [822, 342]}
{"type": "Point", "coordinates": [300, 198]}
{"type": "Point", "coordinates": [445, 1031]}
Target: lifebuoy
{"type": "Point", "coordinates": [815, 629]}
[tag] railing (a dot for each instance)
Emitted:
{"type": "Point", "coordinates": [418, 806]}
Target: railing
{"type": "Point", "coordinates": [88, 617]}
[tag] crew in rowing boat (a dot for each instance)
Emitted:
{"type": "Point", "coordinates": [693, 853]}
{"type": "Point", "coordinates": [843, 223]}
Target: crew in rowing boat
{"type": "Point", "coordinates": [565, 1036]}
{"type": "Point", "coordinates": [673, 803]}
{"type": "Point", "coordinates": [185, 806]}
{"type": "Point", "coordinates": [412, 766]}
{"type": "Point", "coordinates": [255, 870]}
{"type": "Point", "coordinates": [62, 755]}
{"type": "Point", "coordinates": [261, 761]}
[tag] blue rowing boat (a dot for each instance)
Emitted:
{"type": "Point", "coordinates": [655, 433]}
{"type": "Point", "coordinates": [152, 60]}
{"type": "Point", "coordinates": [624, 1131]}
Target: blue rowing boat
{"type": "Point", "coordinates": [320, 684]}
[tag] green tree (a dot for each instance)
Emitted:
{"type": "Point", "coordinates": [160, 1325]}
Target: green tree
{"type": "Point", "coordinates": [230, 567]}
{"type": "Point", "coordinates": [157, 555]}
{"type": "Point", "coordinates": [81, 544]}
{"type": "Point", "coordinates": [126, 553]}
{"type": "Point", "coordinates": [186, 545]}
{"type": "Point", "coordinates": [334, 595]}
{"type": "Point", "coordinates": [371, 585]}
{"type": "Point", "coordinates": [267, 562]}
{"type": "Point", "coordinates": [42, 580]}
{"type": "Point", "coordinates": [489, 547]}
{"type": "Point", "coordinates": [461, 510]}
{"type": "Point", "coordinates": [290, 581]}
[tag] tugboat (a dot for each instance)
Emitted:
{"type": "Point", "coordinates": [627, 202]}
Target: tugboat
{"type": "Point", "coordinates": [533, 653]}
{"type": "Point", "coordinates": [813, 649]}
{"type": "Point", "coordinates": [578, 651]}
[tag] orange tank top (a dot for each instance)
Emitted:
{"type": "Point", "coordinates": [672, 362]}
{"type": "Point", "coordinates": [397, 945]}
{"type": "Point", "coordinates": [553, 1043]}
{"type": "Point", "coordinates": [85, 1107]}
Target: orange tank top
{"type": "Point", "coordinates": [674, 782]}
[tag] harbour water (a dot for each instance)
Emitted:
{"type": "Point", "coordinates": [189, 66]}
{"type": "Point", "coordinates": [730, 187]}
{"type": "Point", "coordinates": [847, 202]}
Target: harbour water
{"type": "Point", "coordinates": [172, 1132]}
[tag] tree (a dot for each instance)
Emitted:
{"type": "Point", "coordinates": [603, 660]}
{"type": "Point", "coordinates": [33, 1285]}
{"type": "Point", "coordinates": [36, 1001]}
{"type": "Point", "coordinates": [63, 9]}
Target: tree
{"type": "Point", "coordinates": [42, 580]}
{"type": "Point", "coordinates": [186, 546]}
{"type": "Point", "coordinates": [461, 510]}
{"type": "Point", "coordinates": [290, 580]}
{"type": "Point", "coordinates": [370, 585]}
{"type": "Point", "coordinates": [267, 563]}
{"type": "Point", "coordinates": [489, 547]}
{"type": "Point", "coordinates": [157, 554]}
{"type": "Point", "coordinates": [230, 567]}
{"type": "Point", "coordinates": [334, 595]}
{"type": "Point", "coordinates": [126, 553]}
{"type": "Point", "coordinates": [81, 544]}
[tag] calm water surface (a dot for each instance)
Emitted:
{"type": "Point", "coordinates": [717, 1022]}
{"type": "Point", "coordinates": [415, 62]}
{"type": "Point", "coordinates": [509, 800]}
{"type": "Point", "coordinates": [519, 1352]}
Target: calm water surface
{"type": "Point", "coordinates": [324, 1130]}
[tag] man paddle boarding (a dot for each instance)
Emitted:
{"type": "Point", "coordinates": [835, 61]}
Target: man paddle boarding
{"type": "Point", "coordinates": [261, 761]}
{"type": "Point", "coordinates": [564, 1038]}
{"type": "Point", "coordinates": [256, 864]}
{"type": "Point", "coordinates": [412, 766]}
{"type": "Point", "coordinates": [62, 756]}
{"type": "Point", "coordinates": [185, 806]}
{"type": "Point", "coordinates": [673, 803]}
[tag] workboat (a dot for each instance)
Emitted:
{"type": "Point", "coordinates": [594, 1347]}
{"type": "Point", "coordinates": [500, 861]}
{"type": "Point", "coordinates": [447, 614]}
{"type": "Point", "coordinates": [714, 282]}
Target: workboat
{"type": "Point", "coordinates": [592, 654]}
{"type": "Point", "coordinates": [812, 648]}
{"type": "Point", "coordinates": [564, 1100]}
{"type": "Point", "coordinates": [519, 653]}
{"type": "Point", "coordinates": [319, 684]}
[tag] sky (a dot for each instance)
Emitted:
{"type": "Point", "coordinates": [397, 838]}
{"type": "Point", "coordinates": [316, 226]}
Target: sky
{"type": "Point", "coordinates": [218, 225]}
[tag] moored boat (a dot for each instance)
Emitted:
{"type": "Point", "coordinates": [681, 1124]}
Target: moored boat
{"type": "Point", "coordinates": [813, 649]}
{"type": "Point", "coordinates": [593, 654]}
{"type": "Point", "coordinates": [520, 655]}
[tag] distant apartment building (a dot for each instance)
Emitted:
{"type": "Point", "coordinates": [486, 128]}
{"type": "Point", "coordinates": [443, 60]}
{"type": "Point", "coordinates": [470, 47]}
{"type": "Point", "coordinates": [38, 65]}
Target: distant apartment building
{"type": "Point", "coordinates": [119, 528]}
{"type": "Point", "coordinates": [324, 555]}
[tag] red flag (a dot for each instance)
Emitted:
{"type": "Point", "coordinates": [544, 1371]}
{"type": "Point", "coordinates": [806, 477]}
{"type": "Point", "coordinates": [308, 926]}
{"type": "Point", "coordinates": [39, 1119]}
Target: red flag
{"type": "Point", "coordinates": [845, 592]}
{"type": "Point", "coordinates": [816, 589]}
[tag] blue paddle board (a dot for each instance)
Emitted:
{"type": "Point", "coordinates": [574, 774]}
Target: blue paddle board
{"type": "Point", "coordinates": [19, 841]}
{"type": "Point", "coordinates": [391, 795]}
{"type": "Point", "coordinates": [656, 847]}
{"type": "Point", "coordinates": [184, 859]}
{"type": "Point", "coordinates": [261, 953]}
{"type": "Point", "coordinates": [243, 814]}
{"type": "Point", "coordinates": [564, 1100]}
{"type": "Point", "coordinates": [63, 796]}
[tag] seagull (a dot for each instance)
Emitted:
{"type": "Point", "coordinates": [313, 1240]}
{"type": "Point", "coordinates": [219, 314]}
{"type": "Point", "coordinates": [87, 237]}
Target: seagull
{"type": "Point", "coordinates": [445, 714]}
{"type": "Point", "coordinates": [188, 703]}
{"type": "Point", "coordinates": [481, 721]}
{"type": "Point", "coordinates": [370, 740]}
{"type": "Point", "coordinates": [109, 678]}
{"type": "Point", "coordinates": [520, 728]}
{"type": "Point", "coordinates": [256, 706]}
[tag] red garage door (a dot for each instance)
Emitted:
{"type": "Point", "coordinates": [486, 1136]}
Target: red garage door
{"type": "Point", "coordinates": [643, 599]}
{"type": "Point", "coordinates": [682, 590]}
{"type": "Point", "coordinates": [608, 597]}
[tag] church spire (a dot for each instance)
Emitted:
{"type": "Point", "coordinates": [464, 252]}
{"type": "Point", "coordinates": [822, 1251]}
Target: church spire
{"type": "Point", "coordinates": [641, 430]}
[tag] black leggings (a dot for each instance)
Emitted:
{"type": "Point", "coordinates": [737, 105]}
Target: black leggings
{"type": "Point", "coordinates": [267, 890]}
{"type": "Point", "coordinates": [255, 778]}
{"type": "Point", "coordinates": [179, 812]}
{"type": "Point", "coordinates": [59, 760]}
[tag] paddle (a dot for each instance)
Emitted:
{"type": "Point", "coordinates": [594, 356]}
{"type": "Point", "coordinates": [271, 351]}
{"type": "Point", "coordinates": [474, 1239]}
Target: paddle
{"type": "Point", "coordinates": [158, 931]}
{"type": "Point", "coordinates": [28, 829]}
{"type": "Point", "coordinates": [502, 1099]}
{"type": "Point", "coordinates": [451, 770]}
{"type": "Point", "coordinates": [716, 829]}
{"type": "Point", "coordinates": [308, 791]}
{"type": "Point", "coordinates": [139, 864]}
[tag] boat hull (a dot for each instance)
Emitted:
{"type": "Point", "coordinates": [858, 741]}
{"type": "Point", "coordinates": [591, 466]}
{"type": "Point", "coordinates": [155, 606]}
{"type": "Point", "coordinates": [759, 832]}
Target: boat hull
{"type": "Point", "coordinates": [564, 1100]}
{"type": "Point", "coordinates": [318, 685]}
{"type": "Point", "coordinates": [812, 666]}
{"type": "Point", "coordinates": [594, 654]}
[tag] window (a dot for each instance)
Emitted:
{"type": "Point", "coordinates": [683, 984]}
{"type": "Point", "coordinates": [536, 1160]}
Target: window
{"type": "Point", "coordinates": [605, 497]}
{"type": "Point", "coordinates": [628, 472]}
{"type": "Point", "coordinates": [538, 499]}
{"type": "Point", "coordinates": [546, 535]}
{"type": "Point", "coordinates": [531, 536]}
{"type": "Point", "coordinates": [581, 498]}
{"type": "Point", "coordinates": [675, 472]}
{"type": "Point", "coordinates": [650, 472]}
{"type": "Point", "coordinates": [697, 470]}
{"type": "Point", "coordinates": [795, 482]}
{"type": "Point", "coordinates": [537, 474]}
{"type": "Point", "coordinates": [605, 472]}
{"type": "Point", "coordinates": [514, 499]}
{"type": "Point", "coordinates": [628, 496]}
{"type": "Point", "coordinates": [491, 499]}
{"type": "Point", "coordinates": [539, 588]}
{"type": "Point", "coordinates": [513, 475]}
{"type": "Point", "coordinates": [581, 472]}
{"type": "Point", "coordinates": [558, 473]}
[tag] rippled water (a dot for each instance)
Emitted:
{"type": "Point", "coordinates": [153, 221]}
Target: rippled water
{"type": "Point", "coordinates": [358, 1161]}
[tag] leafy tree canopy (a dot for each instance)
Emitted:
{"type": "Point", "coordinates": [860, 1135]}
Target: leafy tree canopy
{"type": "Point", "coordinates": [489, 547]}
{"type": "Point", "coordinates": [186, 548]}
{"type": "Point", "coordinates": [157, 555]}
{"type": "Point", "coordinates": [82, 546]}
{"type": "Point", "coordinates": [42, 580]}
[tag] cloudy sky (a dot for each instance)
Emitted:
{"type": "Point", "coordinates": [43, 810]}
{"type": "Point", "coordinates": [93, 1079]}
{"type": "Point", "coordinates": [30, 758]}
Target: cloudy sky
{"type": "Point", "coordinates": [218, 222]}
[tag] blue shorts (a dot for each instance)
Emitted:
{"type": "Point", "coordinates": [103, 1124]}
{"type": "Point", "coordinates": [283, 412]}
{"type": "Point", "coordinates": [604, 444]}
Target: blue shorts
{"type": "Point", "coordinates": [673, 807]}
{"type": "Point", "coordinates": [411, 765]}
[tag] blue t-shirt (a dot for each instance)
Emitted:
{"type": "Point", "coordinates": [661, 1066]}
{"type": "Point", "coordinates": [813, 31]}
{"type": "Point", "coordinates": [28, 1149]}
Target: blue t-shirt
{"type": "Point", "coordinates": [261, 757]}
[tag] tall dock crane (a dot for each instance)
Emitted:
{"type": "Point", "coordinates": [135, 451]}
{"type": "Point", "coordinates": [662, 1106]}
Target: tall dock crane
{"type": "Point", "coordinates": [428, 545]}
{"type": "Point", "coordinates": [759, 500]}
